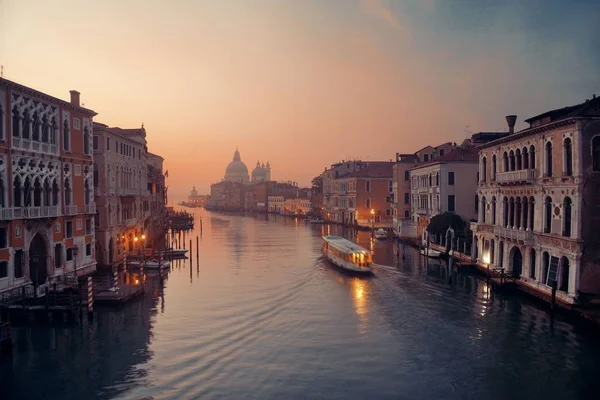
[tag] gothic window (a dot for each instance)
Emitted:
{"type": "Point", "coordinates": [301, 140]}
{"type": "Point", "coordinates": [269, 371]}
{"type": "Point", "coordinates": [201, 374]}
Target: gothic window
{"type": "Point", "coordinates": [483, 209]}
{"type": "Point", "coordinates": [512, 160]}
{"type": "Point", "coordinates": [27, 192]}
{"type": "Point", "coordinates": [37, 192]}
{"type": "Point", "coordinates": [596, 153]}
{"type": "Point", "coordinates": [532, 263]}
{"type": "Point", "coordinates": [16, 121]}
{"type": "Point", "coordinates": [26, 125]}
{"type": "Point", "coordinates": [484, 170]}
{"type": "Point", "coordinates": [47, 192]}
{"type": "Point", "coordinates": [532, 157]}
{"type": "Point", "coordinates": [567, 209]}
{"type": "Point", "coordinates": [549, 159]}
{"type": "Point", "coordinates": [547, 215]}
{"type": "Point", "coordinates": [66, 136]}
{"type": "Point", "coordinates": [564, 274]}
{"type": "Point", "coordinates": [67, 192]}
{"type": "Point", "coordinates": [53, 129]}
{"type": "Point", "coordinates": [55, 193]}
{"type": "Point", "coordinates": [531, 213]}
{"type": "Point", "coordinates": [494, 167]}
{"type": "Point", "coordinates": [505, 159]}
{"type": "Point", "coordinates": [492, 251]}
{"type": "Point", "coordinates": [525, 156]}
{"type": "Point", "coordinates": [477, 205]}
{"type": "Point", "coordinates": [45, 129]}
{"type": "Point", "coordinates": [518, 156]}
{"type": "Point", "coordinates": [35, 134]}
{"type": "Point", "coordinates": [505, 211]}
{"type": "Point", "coordinates": [87, 192]}
{"type": "Point", "coordinates": [568, 150]}
{"type": "Point", "coordinates": [494, 210]}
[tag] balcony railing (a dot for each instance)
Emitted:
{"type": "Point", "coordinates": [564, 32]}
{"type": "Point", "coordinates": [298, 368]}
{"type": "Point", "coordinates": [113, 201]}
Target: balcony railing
{"type": "Point", "coordinates": [90, 208]}
{"type": "Point", "coordinates": [71, 210]}
{"type": "Point", "coordinates": [515, 234]}
{"type": "Point", "coordinates": [29, 212]}
{"type": "Point", "coordinates": [34, 145]}
{"type": "Point", "coordinates": [129, 192]}
{"type": "Point", "coordinates": [519, 176]}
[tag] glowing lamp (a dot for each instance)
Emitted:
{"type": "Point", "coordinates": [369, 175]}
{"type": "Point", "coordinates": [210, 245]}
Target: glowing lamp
{"type": "Point", "coordinates": [486, 258]}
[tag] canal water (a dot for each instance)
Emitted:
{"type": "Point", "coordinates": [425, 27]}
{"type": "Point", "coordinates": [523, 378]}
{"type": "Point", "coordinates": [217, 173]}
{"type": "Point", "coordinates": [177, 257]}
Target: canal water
{"type": "Point", "coordinates": [260, 314]}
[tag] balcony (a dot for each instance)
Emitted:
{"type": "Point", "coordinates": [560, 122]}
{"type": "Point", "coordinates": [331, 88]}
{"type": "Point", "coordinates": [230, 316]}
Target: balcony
{"type": "Point", "coordinates": [128, 192]}
{"type": "Point", "coordinates": [30, 212]}
{"type": "Point", "coordinates": [526, 237]}
{"type": "Point", "coordinates": [131, 222]}
{"type": "Point", "coordinates": [34, 145]}
{"type": "Point", "coordinates": [90, 208]}
{"type": "Point", "coordinates": [71, 210]}
{"type": "Point", "coordinates": [516, 177]}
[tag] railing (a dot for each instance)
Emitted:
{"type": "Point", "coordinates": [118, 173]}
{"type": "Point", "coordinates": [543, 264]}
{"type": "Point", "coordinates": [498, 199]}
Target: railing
{"type": "Point", "coordinates": [71, 210]}
{"type": "Point", "coordinates": [129, 192]}
{"type": "Point", "coordinates": [90, 208]}
{"type": "Point", "coordinates": [29, 212]}
{"type": "Point", "coordinates": [515, 234]}
{"type": "Point", "coordinates": [522, 175]}
{"type": "Point", "coordinates": [34, 145]}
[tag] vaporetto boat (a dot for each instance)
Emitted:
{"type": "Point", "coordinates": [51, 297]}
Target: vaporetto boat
{"type": "Point", "coordinates": [347, 255]}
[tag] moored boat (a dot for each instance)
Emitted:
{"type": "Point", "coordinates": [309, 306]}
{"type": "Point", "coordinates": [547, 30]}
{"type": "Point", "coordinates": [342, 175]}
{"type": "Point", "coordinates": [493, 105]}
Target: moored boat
{"type": "Point", "coordinates": [381, 233]}
{"type": "Point", "coordinates": [430, 253]}
{"type": "Point", "coordinates": [347, 255]}
{"type": "Point", "coordinates": [176, 252]}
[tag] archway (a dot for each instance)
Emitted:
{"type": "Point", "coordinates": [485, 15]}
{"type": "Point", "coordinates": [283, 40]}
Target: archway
{"type": "Point", "coordinates": [516, 260]}
{"type": "Point", "coordinates": [99, 253]}
{"type": "Point", "coordinates": [38, 265]}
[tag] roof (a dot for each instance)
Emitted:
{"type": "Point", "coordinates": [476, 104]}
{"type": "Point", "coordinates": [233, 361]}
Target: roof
{"type": "Point", "coordinates": [374, 170]}
{"type": "Point", "coordinates": [406, 158]}
{"type": "Point", "coordinates": [345, 245]}
{"type": "Point", "coordinates": [47, 97]}
{"type": "Point", "coordinates": [467, 154]}
{"type": "Point", "coordinates": [588, 108]}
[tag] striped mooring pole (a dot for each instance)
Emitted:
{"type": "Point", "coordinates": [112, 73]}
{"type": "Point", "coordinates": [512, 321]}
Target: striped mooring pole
{"type": "Point", "coordinates": [90, 296]}
{"type": "Point", "coordinates": [116, 280]}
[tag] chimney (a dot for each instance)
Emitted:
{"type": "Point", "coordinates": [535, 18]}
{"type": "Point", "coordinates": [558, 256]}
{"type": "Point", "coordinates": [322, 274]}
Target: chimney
{"type": "Point", "coordinates": [74, 98]}
{"type": "Point", "coordinates": [510, 120]}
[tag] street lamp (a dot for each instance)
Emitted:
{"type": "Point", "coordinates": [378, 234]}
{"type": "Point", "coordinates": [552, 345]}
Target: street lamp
{"type": "Point", "coordinates": [372, 222]}
{"type": "Point", "coordinates": [75, 252]}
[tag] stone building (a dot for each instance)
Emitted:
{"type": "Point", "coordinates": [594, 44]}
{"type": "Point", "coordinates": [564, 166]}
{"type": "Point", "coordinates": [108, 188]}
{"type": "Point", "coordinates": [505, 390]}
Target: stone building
{"type": "Point", "coordinates": [120, 184]}
{"type": "Point", "coordinates": [538, 212]}
{"type": "Point", "coordinates": [46, 188]}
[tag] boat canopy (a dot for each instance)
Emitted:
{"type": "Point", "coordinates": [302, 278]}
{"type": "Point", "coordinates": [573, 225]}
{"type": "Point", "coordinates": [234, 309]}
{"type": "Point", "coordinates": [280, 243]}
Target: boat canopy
{"type": "Point", "coordinates": [345, 245]}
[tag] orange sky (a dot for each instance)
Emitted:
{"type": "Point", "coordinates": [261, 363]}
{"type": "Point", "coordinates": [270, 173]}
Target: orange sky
{"type": "Point", "coordinates": [300, 84]}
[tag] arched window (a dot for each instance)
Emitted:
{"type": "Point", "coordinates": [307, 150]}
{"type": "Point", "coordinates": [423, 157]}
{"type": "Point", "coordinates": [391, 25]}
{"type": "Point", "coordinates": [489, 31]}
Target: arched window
{"type": "Point", "coordinates": [505, 159]}
{"type": "Point", "coordinates": [512, 160]}
{"type": "Point", "coordinates": [492, 251]}
{"type": "Point", "coordinates": [2, 193]}
{"type": "Point", "coordinates": [47, 192]}
{"type": "Point", "coordinates": [547, 215]}
{"type": "Point", "coordinates": [430, 180]}
{"type": "Point", "coordinates": [55, 193]}
{"type": "Point", "coordinates": [35, 134]}
{"type": "Point", "coordinates": [494, 210]}
{"type": "Point", "coordinates": [494, 167]}
{"type": "Point", "coordinates": [483, 209]}
{"type": "Point", "coordinates": [567, 210]}
{"type": "Point", "coordinates": [484, 170]}
{"type": "Point", "coordinates": [564, 274]}
{"type": "Point", "coordinates": [67, 192]}
{"type": "Point", "coordinates": [53, 128]}
{"type": "Point", "coordinates": [517, 213]}
{"type": "Point", "coordinates": [27, 192]}
{"type": "Point", "coordinates": [26, 125]}
{"type": "Point", "coordinates": [505, 211]}
{"type": "Point", "coordinates": [86, 140]}
{"type": "Point", "coordinates": [568, 154]}
{"type": "Point", "coordinates": [511, 217]}
{"type": "Point", "coordinates": [86, 192]}
{"type": "Point", "coordinates": [16, 122]}
{"type": "Point", "coordinates": [45, 129]}
{"type": "Point", "coordinates": [525, 156]}
{"type": "Point", "coordinates": [532, 157]}
{"type": "Point", "coordinates": [477, 206]}
{"type": "Point", "coordinates": [549, 159]}
{"type": "Point", "coordinates": [596, 153]}
{"type": "Point", "coordinates": [518, 156]}
{"type": "Point", "coordinates": [66, 136]}
{"type": "Point", "coordinates": [532, 263]}
{"type": "Point", "coordinates": [37, 193]}
{"type": "Point", "coordinates": [525, 211]}
{"type": "Point", "coordinates": [546, 264]}
{"type": "Point", "coordinates": [531, 213]}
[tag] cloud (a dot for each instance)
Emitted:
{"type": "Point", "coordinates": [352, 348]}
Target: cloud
{"type": "Point", "coordinates": [377, 9]}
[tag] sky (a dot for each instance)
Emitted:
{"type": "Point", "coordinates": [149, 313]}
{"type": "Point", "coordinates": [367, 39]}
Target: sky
{"type": "Point", "coordinates": [302, 83]}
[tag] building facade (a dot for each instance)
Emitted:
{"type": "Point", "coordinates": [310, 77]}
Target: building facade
{"type": "Point", "coordinates": [401, 196]}
{"type": "Point", "coordinates": [46, 188]}
{"type": "Point", "coordinates": [538, 212]}
{"type": "Point", "coordinates": [121, 187]}
{"type": "Point", "coordinates": [446, 184]}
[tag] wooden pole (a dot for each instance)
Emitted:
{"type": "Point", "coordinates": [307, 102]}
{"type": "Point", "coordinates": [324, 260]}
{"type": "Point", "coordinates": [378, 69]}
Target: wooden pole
{"type": "Point", "coordinates": [90, 298]}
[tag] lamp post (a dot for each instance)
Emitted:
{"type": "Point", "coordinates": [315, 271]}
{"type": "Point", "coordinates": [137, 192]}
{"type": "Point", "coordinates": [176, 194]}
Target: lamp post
{"type": "Point", "coordinates": [75, 252]}
{"type": "Point", "coordinates": [372, 222]}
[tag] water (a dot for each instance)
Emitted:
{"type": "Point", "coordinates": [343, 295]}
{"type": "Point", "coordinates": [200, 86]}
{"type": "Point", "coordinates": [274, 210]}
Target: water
{"type": "Point", "coordinates": [263, 316]}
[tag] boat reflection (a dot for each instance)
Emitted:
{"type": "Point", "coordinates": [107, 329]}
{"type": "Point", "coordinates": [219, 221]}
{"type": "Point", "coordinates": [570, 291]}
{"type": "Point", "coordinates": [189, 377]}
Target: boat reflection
{"type": "Point", "coordinates": [360, 300]}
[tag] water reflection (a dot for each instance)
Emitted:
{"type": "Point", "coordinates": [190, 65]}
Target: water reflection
{"type": "Point", "coordinates": [360, 297]}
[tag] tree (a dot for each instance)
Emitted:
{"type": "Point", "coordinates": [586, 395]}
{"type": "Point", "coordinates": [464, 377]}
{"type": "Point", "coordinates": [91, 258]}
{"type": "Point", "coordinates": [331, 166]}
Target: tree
{"type": "Point", "coordinates": [441, 222]}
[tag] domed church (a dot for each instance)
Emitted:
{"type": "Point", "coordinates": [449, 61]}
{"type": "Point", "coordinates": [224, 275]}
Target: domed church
{"type": "Point", "coordinates": [262, 172]}
{"type": "Point", "coordinates": [237, 171]}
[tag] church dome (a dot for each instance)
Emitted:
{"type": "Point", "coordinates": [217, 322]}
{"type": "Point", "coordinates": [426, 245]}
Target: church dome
{"type": "Point", "coordinates": [261, 173]}
{"type": "Point", "coordinates": [236, 170]}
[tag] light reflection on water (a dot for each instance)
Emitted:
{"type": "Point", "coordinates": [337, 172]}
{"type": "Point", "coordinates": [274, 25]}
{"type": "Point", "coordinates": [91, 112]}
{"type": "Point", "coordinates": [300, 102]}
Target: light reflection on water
{"type": "Point", "coordinates": [263, 315]}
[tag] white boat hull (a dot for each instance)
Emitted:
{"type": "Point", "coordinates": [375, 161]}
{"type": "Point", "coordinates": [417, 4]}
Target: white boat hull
{"type": "Point", "coordinates": [345, 265]}
{"type": "Point", "coordinates": [430, 253]}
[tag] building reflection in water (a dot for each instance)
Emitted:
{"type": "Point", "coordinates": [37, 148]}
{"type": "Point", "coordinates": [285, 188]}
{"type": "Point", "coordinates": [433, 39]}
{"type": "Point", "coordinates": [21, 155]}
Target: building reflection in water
{"type": "Point", "coordinates": [87, 361]}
